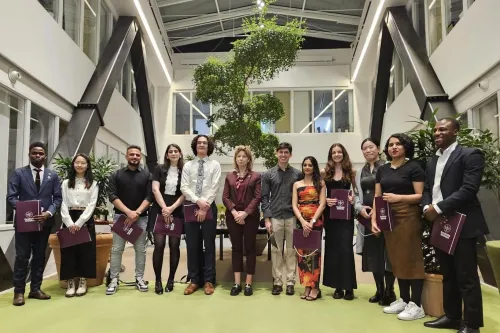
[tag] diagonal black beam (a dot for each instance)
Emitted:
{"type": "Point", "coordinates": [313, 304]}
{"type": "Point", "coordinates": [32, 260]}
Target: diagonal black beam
{"type": "Point", "coordinates": [138, 54]}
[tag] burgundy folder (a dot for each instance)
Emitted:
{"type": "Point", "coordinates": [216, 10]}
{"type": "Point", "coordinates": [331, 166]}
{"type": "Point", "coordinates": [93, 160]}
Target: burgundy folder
{"type": "Point", "coordinates": [385, 217]}
{"type": "Point", "coordinates": [174, 228]}
{"type": "Point", "coordinates": [446, 232]}
{"type": "Point", "coordinates": [25, 213]}
{"type": "Point", "coordinates": [130, 234]}
{"type": "Point", "coordinates": [311, 242]}
{"type": "Point", "coordinates": [367, 223]}
{"type": "Point", "coordinates": [342, 210]}
{"type": "Point", "coordinates": [67, 239]}
{"type": "Point", "coordinates": [190, 211]}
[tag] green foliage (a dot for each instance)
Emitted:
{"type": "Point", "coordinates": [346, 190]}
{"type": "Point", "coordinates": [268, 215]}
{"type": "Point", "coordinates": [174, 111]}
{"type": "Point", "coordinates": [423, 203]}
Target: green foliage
{"type": "Point", "coordinates": [267, 50]}
{"type": "Point", "coordinates": [102, 168]}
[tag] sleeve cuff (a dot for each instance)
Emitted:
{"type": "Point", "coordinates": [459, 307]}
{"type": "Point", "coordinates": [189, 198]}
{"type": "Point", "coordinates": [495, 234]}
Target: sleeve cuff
{"type": "Point", "coordinates": [438, 210]}
{"type": "Point", "coordinates": [425, 208]}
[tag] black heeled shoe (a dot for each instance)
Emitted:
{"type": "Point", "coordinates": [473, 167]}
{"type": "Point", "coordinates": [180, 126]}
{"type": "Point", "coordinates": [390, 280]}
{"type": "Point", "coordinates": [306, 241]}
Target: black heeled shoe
{"type": "Point", "coordinates": [158, 288]}
{"type": "Point", "coordinates": [235, 290]}
{"type": "Point", "coordinates": [169, 287]}
{"type": "Point", "coordinates": [338, 294]}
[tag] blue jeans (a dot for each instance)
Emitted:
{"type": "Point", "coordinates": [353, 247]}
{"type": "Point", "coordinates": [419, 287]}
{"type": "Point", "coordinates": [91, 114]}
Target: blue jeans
{"type": "Point", "coordinates": [139, 247]}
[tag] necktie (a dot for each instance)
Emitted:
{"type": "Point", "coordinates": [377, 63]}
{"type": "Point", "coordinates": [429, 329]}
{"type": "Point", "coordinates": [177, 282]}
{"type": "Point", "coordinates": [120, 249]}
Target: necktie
{"type": "Point", "coordinates": [37, 179]}
{"type": "Point", "coordinates": [199, 179]}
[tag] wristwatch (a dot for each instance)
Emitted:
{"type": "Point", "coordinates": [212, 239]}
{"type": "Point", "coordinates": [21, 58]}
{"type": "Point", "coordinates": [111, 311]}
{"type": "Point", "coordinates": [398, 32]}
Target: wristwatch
{"type": "Point", "coordinates": [313, 221]}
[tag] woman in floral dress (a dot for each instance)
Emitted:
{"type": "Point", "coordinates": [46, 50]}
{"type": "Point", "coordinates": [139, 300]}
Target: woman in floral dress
{"type": "Point", "coordinates": [308, 201]}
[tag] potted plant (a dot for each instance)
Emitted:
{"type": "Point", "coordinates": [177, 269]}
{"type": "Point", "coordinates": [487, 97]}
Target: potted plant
{"type": "Point", "coordinates": [102, 168]}
{"type": "Point", "coordinates": [425, 149]}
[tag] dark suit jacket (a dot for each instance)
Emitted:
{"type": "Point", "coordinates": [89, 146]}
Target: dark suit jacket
{"type": "Point", "coordinates": [252, 194]}
{"type": "Point", "coordinates": [460, 182]}
{"type": "Point", "coordinates": [22, 187]}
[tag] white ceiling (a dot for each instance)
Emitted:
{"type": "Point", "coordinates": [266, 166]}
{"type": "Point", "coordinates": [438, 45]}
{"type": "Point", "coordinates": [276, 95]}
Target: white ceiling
{"type": "Point", "coordinates": [193, 21]}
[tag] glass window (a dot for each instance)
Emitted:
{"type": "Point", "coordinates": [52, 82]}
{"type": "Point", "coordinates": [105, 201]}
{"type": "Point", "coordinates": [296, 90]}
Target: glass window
{"type": "Point", "coordinates": [200, 114]}
{"type": "Point", "coordinates": [134, 102]}
{"type": "Point", "coordinates": [71, 19]}
{"type": "Point", "coordinates": [323, 111]}
{"type": "Point", "coordinates": [122, 160]}
{"type": "Point", "coordinates": [283, 125]}
{"type": "Point", "coordinates": [42, 127]}
{"type": "Point", "coordinates": [63, 125]}
{"type": "Point", "coordinates": [11, 132]}
{"type": "Point", "coordinates": [51, 6]}
{"type": "Point", "coordinates": [90, 29]}
{"type": "Point", "coordinates": [218, 123]}
{"type": "Point", "coordinates": [435, 24]}
{"type": "Point", "coordinates": [100, 149]}
{"type": "Point", "coordinates": [182, 109]}
{"type": "Point", "coordinates": [104, 27]}
{"type": "Point", "coordinates": [302, 112]}
{"type": "Point", "coordinates": [344, 116]}
{"type": "Point", "coordinates": [113, 155]}
{"type": "Point", "coordinates": [416, 12]}
{"type": "Point", "coordinates": [265, 127]}
{"type": "Point", "coordinates": [485, 116]}
{"type": "Point", "coordinates": [453, 10]}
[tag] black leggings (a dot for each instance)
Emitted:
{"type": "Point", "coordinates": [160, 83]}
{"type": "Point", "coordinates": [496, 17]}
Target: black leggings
{"type": "Point", "coordinates": [175, 254]}
{"type": "Point", "coordinates": [416, 285]}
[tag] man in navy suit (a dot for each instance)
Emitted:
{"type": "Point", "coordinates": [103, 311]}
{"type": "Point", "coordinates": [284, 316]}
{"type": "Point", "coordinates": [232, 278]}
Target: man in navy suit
{"type": "Point", "coordinates": [33, 182]}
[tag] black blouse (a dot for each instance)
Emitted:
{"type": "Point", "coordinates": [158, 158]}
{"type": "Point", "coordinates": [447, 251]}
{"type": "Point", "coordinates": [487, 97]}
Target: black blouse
{"type": "Point", "coordinates": [400, 180]}
{"type": "Point", "coordinates": [367, 180]}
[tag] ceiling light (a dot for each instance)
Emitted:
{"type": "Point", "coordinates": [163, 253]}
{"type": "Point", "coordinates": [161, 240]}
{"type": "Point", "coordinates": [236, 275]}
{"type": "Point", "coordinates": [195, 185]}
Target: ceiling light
{"type": "Point", "coordinates": [368, 39]}
{"type": "Point", "coordinates": [152, 40]}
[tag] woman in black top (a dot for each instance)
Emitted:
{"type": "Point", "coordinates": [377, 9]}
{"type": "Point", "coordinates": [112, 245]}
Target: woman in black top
{"type": "Point", "coordinates": [339, 271]}
{"type": "Point", "coordinates": [373, 246]}
{"type": "Point", "coordinates": [168, 202]}
{"type": "Point", "coordinates": [401, 183]}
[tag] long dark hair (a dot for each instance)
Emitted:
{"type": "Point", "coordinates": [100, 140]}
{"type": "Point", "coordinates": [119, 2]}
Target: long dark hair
{"type": "Point", "coordinates": [88, 176]}
{"type": "Point", "coordinates": [316, 176]}
{"type": "Point", "coordinates": [405, 141]}
{"type": "Point", "coordinates": [347, 170]}
{"type": "Point", "coordinates": [166, 161]}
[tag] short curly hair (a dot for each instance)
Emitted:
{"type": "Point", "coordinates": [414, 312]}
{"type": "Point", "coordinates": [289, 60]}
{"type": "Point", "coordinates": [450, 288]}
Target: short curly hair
{"type": "Point", "coordinates": [211, 146]}
{"type": "Point", "coordinates": [407, 143]}
{"type": "Point", "coordinates": [248, 152]}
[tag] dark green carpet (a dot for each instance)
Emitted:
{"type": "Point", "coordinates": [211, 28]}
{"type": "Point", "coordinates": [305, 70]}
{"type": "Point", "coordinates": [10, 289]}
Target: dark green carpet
{"type": "Point", "coordinates": [132, 311]}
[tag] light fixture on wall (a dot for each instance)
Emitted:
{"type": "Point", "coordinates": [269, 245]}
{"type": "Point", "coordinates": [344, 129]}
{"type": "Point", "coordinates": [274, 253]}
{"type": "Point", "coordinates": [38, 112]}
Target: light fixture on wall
{"type": "Point", "coordinates": [14, 75]}
{"type": "Point", "coordinates": [484, 84]}
{"type": "Point", "coordinates": [368, 39]}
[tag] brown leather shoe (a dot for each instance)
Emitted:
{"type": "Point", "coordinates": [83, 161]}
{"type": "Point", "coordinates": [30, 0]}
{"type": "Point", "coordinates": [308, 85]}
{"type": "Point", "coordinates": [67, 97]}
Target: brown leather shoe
{"type": "Point", "coordinates": [209, 288]}
{"type": "Point", "coordinates": [18, 299]}
{"type": "Point", "coordinates": [191, 288]}
{"type": "Point", "coordinates": [38, 295]}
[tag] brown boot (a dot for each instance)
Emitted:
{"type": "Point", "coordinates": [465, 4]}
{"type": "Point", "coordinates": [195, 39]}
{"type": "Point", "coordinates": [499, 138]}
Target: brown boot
{"type": "Point", "coordinates": [209, 288]}
{"type": "Point", "coordinates": [18, 299]}
{"type": "Point", "coordinates": [191, 288]}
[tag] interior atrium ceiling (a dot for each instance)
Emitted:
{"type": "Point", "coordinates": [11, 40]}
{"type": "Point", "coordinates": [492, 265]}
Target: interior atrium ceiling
{"type": "Point", "coordinates": [211, 25]}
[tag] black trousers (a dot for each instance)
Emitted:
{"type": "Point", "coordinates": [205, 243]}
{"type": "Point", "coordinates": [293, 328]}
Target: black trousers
{"type": "Point", "coordinates": [461, 283]}
{"type": "Point", "coordinates": [27, 243]}
{"type": "Point", "coordinates": [196, 258]}
{"type": "Point", "coordinates": [244, 236]}
{"type": "Point", "coordinates": [79, 260]}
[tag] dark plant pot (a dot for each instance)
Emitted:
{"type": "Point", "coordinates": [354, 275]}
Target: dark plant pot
{"type": "Point", "coordinates": [491, 210]}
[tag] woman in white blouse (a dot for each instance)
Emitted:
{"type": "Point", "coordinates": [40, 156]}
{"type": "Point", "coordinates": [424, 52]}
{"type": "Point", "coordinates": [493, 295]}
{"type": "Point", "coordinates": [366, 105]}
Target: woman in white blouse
{"type": "Point", "coordinates": [80, 193]}
{"type": "Point", "coordinates": [168, 202]}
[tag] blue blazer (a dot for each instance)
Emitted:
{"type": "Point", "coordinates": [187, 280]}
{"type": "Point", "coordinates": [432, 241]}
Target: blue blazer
{"type": "Point", "coordinates": [22, 187]}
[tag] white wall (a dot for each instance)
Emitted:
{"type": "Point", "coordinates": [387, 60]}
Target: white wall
{"type": "Point", "coordinates": [471, 49]}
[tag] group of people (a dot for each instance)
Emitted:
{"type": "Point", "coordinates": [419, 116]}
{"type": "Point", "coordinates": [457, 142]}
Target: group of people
{"type": "Point", "coordinates": [289, 199]}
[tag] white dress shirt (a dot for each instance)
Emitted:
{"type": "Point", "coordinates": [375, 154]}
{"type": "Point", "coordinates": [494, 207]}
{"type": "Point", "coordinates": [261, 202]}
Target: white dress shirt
{"type": "Point", "coordinates": [78, 197]}
{"type": "Point", "coordinates": [443, 158]}
{"type": "Point", "coordinates": [33, 172]}
{"type": "Point", "coordinates": [211, 178]}
{"type": "Point", "coordinates": [171, 181]}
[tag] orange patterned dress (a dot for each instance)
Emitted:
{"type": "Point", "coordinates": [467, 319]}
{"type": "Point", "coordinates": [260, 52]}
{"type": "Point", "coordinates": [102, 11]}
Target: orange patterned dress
{"type": "Point", "coordinates": [309, 266]}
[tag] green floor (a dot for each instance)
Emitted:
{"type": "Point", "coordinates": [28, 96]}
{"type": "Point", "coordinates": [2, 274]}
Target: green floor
{"type": "Point", "coordinates": [131, 311]}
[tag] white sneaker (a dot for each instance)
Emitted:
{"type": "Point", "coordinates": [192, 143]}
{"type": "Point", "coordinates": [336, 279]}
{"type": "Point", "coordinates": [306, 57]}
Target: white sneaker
{"type": "Point", "coordinates": [112, 287]}
{"type": "Point", "coordinates": [412, 312]}
{"type": "Point", "coordinates": [395, 307]}
{"type": "Point", "coordinates": [82, 287]}
{"type": "Point", "coordinates": [71, 288]}
{"type": "Point", "coordinates": [141, 285]}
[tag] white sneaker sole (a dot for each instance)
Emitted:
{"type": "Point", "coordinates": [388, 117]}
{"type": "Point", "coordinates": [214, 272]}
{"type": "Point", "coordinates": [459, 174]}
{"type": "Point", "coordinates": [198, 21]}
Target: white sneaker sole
{"type": "Point", "coordinates": [111, 292]}
{"type": "Point", "coordinates": [392, 311]}
{"type": "Point", "coordinates": [420, 316]}
{"type": "Point", "coordinates": [141, 290]}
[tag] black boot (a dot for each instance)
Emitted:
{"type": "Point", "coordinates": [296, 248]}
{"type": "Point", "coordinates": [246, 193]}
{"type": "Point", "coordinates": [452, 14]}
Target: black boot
{"type": "Point", "coordinates": [389, 294]}
{"type": "Point", "coordinates": [379, 282]}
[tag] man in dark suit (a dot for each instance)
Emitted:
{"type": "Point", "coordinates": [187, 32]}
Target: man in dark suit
{"type": "Point", "coordinates": [33, 182]}
{"type": "Point", "coordinates": [453, 178]}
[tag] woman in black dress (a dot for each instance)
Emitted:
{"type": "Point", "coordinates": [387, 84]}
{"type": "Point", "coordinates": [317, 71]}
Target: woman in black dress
{"type": "Point", "coordinates": [339, 270]}
{"type": "Point", "coordinates": [401, 184]}
{"type": "Point", "coordinates": [168, 202]}
{"type": "Point", "coordinates": [373, 246]}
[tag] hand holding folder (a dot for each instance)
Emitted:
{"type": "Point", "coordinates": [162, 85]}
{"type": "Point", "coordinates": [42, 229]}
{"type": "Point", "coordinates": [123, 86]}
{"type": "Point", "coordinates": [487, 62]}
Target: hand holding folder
{"type": "Point", "coordinates": [172, 227]}
{"type": "Point", "coordinates": [129, 233]}
{"type": "Point", "coordinates": [446, 232]}
{"type": "Point", "coordinates": [67, 239]}
{"type": "Point", "coordinates": [26, 216]}
{"type": "Point", "coordinates": [191, 212]}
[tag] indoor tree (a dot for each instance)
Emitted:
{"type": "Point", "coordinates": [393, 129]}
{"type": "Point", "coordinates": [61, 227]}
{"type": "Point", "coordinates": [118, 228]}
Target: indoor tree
{"type": "Point", "coordinates": [267, 50]}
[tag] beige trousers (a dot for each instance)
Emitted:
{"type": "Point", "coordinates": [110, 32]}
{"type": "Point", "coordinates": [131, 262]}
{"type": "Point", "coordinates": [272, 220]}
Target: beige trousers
{"type": "Point", "coordinates": [283, 263]}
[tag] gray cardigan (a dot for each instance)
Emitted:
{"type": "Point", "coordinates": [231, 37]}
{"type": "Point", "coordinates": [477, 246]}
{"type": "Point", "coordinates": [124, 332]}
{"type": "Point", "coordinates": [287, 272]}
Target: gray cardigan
{"type": "Point", "coordinates": [358, 205]}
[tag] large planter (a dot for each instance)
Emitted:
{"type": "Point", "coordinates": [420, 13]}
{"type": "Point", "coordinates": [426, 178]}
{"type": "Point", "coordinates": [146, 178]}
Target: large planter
{"type": "Point", "coordinates": [493, 248]}
{"type": "Point", "coordinates": [103, 249]}
{"type": "Point", "coordinates": [432, 295]}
